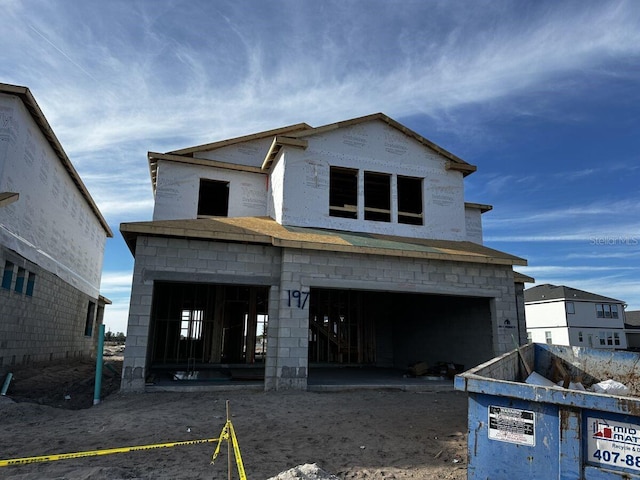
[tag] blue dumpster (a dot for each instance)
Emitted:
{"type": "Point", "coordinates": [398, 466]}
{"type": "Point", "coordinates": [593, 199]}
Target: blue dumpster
{"type": "Point", "coordinates": [523, 431]}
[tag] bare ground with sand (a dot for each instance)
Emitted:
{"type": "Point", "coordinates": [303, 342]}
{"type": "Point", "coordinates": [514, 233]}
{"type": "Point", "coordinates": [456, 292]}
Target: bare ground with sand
{"type": "Point", "coordinates": [366, 434]}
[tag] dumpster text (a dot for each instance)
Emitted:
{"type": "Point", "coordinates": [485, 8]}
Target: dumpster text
{"type": "Point", "coordinates": [512, 425]}
{"type": "Point", "coordinates": [613, 443]}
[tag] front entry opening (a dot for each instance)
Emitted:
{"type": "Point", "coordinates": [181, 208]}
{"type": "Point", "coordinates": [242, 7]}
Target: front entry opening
{"type": "Point", "coordinates": [208, 332]}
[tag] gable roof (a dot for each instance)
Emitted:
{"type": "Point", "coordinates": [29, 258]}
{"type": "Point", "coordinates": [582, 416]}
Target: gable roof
{"type": "Point", "coordinates": [28, 100]}
{"type": "Point", "coordinates": [454, 162]}
{"type": "Point", "coordinates": [265, 230]}
{"type": "Point", "coordinates": [294, 135]}
{"type": "Point", "coordinates": [547, 292]}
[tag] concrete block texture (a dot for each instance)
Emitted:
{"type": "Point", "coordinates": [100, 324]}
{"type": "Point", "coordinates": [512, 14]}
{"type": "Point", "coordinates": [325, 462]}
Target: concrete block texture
{"type": "Point", "coordinates": [47, 324]}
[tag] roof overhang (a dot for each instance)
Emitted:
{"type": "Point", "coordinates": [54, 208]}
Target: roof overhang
{"type": "Point", "coordinates": [154, 157]}
{"type": "Point", "coordinates": [522, 278]}
{"type": "Point", "coordinates": [276, 146]}
{"type": "Point", "coordinates": [484, 208]}
{"type": "Point", "coordinates": [7, 198]}
{"type": "Point", "coordinates": [28, 100]}
{"type": "Point", "coordinates": [264, 230]}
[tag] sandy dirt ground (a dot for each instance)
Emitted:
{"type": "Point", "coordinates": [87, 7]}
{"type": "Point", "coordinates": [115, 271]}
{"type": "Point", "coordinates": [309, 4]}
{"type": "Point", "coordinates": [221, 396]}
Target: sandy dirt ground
{"type": "Point", "coordinates": [353, 435]}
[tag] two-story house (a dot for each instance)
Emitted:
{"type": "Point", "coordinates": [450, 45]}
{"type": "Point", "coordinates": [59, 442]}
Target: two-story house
{"type": "Point", "coordinates": [299, 247]}
{"type": "Point", "coordinates": [568, 316]}
{"type": "Point", "coordinates": [52, 239]}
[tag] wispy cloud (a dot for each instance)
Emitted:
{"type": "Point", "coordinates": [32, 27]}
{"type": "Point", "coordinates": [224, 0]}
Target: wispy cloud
{"type": "Point", "coordinates": [117, 79]}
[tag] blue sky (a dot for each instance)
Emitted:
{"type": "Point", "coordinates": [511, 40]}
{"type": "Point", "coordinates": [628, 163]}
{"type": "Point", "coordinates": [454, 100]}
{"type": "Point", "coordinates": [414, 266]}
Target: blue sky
{"type": "Point", "coordinates": [542, 96]}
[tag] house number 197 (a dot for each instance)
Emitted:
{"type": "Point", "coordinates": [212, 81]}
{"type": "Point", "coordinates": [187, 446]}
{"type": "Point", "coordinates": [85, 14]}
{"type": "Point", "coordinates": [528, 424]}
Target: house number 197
{"type": "Point", "coordinates": [296, 298]}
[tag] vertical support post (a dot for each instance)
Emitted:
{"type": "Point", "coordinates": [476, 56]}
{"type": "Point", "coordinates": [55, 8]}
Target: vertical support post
{"type": "Point", "coordinates": [98, 382]}
{"type": "Point", "coordinates": [229, 441]}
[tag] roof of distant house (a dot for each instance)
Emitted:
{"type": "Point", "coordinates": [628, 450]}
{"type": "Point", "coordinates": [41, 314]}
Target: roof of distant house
{"type": "Point", "coordinates": [29, 101]}
{"type": "Point", "coordinates": [548, 292]}
{"type": "Point", "coordinates": [632, 319]}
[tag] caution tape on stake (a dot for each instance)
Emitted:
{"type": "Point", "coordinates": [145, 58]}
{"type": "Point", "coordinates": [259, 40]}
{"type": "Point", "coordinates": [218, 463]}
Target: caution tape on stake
{"type": "Point", "coordinates": [93, 453]}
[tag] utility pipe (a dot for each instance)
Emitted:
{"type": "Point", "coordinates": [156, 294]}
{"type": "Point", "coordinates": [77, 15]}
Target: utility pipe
{"type": "Point", "coordinates": [7, 381]}
{"type": "Point", "coordinates": [98, 382]}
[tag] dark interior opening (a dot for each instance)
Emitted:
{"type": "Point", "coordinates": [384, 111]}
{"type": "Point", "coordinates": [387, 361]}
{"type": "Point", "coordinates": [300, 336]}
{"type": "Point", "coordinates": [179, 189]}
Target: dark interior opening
{"type": "Point", "coordinates": [410, 200]}
{"type": "Point", "coordinates": [396, 330]}
{"type": "Point", "coordinates": [213, 198]}
{"type": "Point", "coordinates": [343, 192]}
{"type": "Point", "coordinates": [377, 196]}
{"type": "Point", "coordinates": [198, 327]}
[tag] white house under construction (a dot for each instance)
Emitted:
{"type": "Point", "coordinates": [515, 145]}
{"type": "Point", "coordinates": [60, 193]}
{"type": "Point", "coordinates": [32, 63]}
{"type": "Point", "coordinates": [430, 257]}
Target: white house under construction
{"type": "Point", "coordinates": [301, 247]}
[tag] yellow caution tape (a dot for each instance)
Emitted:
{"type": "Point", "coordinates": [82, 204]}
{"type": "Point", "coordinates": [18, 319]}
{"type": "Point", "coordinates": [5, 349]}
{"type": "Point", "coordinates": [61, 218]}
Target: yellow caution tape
{"type": "Point", "coordinates": [229, 434]}
{"type": "Point", "coordinates": [109, 451]}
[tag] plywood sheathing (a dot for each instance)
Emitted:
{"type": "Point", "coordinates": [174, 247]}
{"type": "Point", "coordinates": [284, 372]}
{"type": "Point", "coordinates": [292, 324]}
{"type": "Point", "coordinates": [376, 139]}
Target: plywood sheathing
{"type": "Point", "coordinates": [264, 230]}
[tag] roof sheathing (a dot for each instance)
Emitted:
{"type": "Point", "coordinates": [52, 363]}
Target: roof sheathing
{"type": "Point", "coordinates": [264, 230]}
{"type": "Point", "coordinates": [245, 138]}
{"type": "Point", "coordinates": [29, 101]}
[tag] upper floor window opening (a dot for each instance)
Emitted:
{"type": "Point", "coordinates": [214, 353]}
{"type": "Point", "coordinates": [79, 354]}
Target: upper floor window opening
{"type": "Point", "coordinates": [377, 196]}
{"type": "Point", "coordinates": [213, 198]}
{"type": "Point", "coordinates": [343, 192]}
{"type": "Point", "coordinates": [410, 200]}
{"type": "Point", "coordinates": [571, 308]}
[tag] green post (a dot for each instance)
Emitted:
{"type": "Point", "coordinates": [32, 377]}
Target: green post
{"type": "Point", "coordinates": [98, 383]}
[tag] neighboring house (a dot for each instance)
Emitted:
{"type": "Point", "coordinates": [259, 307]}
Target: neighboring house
{"type": "Point", "coordinates": [52, 239]}
{"type": "Point", "coordinates": [301, 247]}
{"type": "Point", "coordinates": [632, 327]}
{"type": "Point", "coordinates": [568, 316]}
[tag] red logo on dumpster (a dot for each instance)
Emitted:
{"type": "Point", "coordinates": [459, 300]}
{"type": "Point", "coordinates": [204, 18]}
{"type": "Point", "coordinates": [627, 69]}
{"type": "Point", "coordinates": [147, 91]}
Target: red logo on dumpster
{"type": "Point", "coordinates": [602, 430]}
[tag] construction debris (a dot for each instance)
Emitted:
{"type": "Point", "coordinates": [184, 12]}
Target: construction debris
{"type": "Point", "coordinates": [309, 471]}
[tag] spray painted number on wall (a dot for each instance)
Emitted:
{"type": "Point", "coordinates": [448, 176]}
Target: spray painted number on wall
{"type": "Point", "coordinates": [296, 298]}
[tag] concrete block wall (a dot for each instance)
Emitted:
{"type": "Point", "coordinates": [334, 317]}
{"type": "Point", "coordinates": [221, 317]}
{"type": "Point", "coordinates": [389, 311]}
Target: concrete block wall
{"type": "Point", "coordinates": [290, 274]}
{"type": "Point", "coordinates": [303, 269]}
{"type": "Point", "coordinates": [47, 326]}
{"type": "Point", "coordinates": [184, 260]}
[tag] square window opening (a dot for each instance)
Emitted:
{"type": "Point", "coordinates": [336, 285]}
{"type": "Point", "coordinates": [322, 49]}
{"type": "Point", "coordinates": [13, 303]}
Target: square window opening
{"type": "Point", "coordinates": [213, 198]}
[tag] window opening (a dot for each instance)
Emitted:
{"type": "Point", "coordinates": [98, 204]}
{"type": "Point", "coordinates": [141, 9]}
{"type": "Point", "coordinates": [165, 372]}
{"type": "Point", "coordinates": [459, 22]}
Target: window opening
{"type": "Point", "coordinates": [20, 280]}
{"type": "Point", "coordinates": [548, 337]}
{"type": "Point", "coordinates": [343, 192]}
{"type": "Point", "coordinates": [213, 198]}
{"type": "Point", "coordinates": [31, 280]}
{"type": "Point", "coordinates": [571, 309]}
{"type": "Point", "coordinates": [7, 276]}
{"type": "Point", "coordinates": [191, 325]}
{"type": "Point", "coordinates": [410, 200]}
{"type": "Point", "coordinates": [88, 327]}
{"type": "Point", "coordinates": [377, 197]}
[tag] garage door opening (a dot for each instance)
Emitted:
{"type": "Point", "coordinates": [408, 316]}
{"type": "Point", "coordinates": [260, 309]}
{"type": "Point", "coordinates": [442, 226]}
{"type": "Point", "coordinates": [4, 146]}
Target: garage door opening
{"type": "Point", "coordinates": [396, 330]}
{"type": "Point", "coordinates": [208, 332]}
